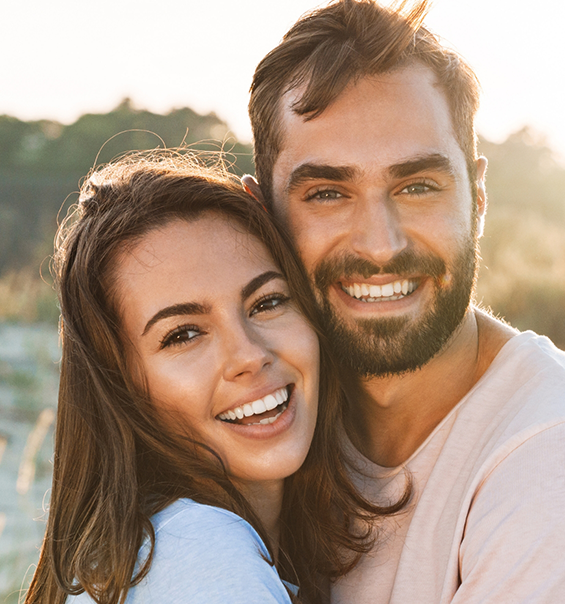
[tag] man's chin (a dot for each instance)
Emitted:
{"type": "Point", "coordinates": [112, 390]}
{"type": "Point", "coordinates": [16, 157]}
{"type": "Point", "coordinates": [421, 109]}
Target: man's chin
{"type": "Point", "coordinates": [395, 336]}
{"type": "Point", "coordinates": [380, 347]}
{"type": "Point", "coordinates": [385, 346]}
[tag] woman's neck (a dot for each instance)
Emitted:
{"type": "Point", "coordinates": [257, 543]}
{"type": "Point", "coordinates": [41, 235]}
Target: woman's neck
{"type": "Point", "coordinates": [266, 500]}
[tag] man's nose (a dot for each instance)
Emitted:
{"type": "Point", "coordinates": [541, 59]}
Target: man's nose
{"type": "Point", "coordinates": [376, 233]}
{"type": "Point", "coordinates": [246, 353]}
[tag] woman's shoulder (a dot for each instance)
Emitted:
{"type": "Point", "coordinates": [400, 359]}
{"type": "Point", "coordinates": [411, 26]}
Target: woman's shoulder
{"type": "Point", "coordinates": [185, 519]}
{"type": "Point", "coordinates": [204, 554]}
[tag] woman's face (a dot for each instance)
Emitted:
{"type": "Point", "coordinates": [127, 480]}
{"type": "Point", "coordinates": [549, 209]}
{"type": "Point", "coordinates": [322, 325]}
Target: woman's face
{"type": "Point", "coordinates": [222, 347]}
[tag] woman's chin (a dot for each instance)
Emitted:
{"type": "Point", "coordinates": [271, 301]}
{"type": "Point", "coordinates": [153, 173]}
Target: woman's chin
{"type": "Point", "coordinates": [273, 451]}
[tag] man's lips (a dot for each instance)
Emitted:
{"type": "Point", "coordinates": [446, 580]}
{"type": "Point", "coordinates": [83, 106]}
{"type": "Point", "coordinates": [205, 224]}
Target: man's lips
{"type": "Point", "coordinates": [379, 288]}
{"type": "Point", "coordinates": [406, 266]}
{"type": "Point", "coordinates": [372, 292]}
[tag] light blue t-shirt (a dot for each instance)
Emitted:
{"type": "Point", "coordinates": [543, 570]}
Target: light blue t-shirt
{"type": "Point", "coordinates": [205, 555]}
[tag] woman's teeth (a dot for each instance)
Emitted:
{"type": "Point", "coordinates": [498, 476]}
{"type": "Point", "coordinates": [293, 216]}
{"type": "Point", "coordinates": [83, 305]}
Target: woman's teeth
{"type": "Point", "coordinates": [258, 407]}
{"type": "Point", "coordinates": [378, 293]}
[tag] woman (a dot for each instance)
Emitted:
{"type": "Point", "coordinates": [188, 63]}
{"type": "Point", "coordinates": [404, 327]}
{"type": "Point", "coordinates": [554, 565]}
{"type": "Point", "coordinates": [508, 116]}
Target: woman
{"type": "Point", "coordinates": [188, 397]}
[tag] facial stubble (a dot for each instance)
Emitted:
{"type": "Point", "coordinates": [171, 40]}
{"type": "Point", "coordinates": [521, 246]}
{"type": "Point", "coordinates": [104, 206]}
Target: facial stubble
{"type": "Point", "coordinates": [390, 346]}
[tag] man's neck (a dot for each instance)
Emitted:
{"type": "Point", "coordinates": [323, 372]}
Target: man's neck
{"type": "Point", "coordinates": [391, 417]}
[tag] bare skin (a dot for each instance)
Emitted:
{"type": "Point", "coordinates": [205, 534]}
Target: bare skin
{"type": "Point", "coordinates": [266, 500]}
{"type": "Point", "coordinates": [379, 172]}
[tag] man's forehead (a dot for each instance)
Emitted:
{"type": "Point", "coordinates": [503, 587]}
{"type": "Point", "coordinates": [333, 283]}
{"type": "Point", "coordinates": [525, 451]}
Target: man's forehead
{"type": "Point", "coordinates": [414, 71]}
{"type": "Point", "coordinates": [384, 119]}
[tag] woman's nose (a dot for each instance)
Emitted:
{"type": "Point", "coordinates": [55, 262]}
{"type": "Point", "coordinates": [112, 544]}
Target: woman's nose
{"type": "Point", "coordinates": [246, 352]}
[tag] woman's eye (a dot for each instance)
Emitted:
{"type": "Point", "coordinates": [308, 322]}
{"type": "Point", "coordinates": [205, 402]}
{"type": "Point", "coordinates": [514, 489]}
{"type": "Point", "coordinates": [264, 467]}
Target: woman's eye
{"type": "Point", "coordinates": [180, 335]}
{"type": "Point", "coordinates": [270, 302]}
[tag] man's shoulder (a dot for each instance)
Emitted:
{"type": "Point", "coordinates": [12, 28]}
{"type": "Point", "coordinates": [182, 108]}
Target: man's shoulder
{"type": "Point", "coordinates": [506, 342]}
{"type": "Point", "coordinates": [546, 350]}
{"type": "Point", "coordinates": [521, 396]}
{"type": "Point", "coordinates": [529, 356]}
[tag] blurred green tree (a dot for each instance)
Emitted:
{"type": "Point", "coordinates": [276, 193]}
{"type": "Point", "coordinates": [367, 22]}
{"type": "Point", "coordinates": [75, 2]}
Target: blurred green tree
{"type": "Point", "coordinates": [522, 276]}
{"type": "Point", "coordinates": [42, 162]}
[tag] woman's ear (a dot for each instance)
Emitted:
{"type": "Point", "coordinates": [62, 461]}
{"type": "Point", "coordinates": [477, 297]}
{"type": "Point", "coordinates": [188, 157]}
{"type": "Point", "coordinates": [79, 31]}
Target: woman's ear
{"type": "Point", "coordinates": [252, 187]}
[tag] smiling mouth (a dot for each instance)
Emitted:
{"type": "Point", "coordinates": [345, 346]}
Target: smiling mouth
{"type": "Point", "coordinates": [264, 411]}
{"type": "Point", "coordinates": [395, 290]}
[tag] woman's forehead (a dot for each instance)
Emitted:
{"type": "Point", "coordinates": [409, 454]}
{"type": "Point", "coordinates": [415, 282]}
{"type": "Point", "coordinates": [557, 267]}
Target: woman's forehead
{"type": "Point", "coordinates": [203, 260]}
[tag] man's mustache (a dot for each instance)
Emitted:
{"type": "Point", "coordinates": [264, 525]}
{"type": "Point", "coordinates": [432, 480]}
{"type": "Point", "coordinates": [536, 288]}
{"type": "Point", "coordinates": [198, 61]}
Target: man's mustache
{"type": "Point", "coordinates": [406, 263]}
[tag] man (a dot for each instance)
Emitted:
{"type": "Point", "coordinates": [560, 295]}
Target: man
{"type": "Point", "coordinates": [365, 149]}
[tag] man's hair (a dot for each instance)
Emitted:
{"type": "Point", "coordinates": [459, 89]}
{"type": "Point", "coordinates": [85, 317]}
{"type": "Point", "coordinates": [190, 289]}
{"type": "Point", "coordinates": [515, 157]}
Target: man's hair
{"type": "Point", "coordinates": [341, 43]}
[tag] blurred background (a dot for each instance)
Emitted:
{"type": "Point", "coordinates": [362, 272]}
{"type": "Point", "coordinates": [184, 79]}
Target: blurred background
{"type": "Point", "coordinates": [75, 74]}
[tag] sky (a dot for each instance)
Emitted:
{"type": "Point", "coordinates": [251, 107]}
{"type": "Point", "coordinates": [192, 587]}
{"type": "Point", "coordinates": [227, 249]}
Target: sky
{"type": "Point", "coordinates": [63, 58]}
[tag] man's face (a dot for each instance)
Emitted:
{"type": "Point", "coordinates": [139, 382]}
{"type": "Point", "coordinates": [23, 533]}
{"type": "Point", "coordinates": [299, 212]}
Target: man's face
{"type": "Point", "coordinates": [376, 194]}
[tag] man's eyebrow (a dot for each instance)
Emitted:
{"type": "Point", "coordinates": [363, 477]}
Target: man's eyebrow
{"type": "Point", "coordinates": [188, 308]}
{"type": "Point", "coordinates": [436, 161]}
{"type": "Point", "coordinates": [307, 172]}
{"type": "Point", "coordinates": [258, 282]}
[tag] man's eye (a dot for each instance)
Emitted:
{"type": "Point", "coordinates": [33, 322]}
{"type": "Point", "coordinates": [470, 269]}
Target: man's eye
{"type": "Point", "coordinates": [268, 303]}
{"type": "Point", "coordinates": [324, 195]}
{"type": "Point", "coordinates": [180, 335]}
{"type": "Point", "coordinates": [418, 188]}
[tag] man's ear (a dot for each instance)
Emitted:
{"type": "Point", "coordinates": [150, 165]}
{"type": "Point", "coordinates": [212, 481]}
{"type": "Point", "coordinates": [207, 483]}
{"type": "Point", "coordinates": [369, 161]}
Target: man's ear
{"type": "Point", "coordinates": [252, 187]}
{"type": "Point", "coordinates": [481, 194]}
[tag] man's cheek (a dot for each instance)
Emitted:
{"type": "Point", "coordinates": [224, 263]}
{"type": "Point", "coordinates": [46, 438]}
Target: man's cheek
{"type": "Point", "coordinates": [309, 241]}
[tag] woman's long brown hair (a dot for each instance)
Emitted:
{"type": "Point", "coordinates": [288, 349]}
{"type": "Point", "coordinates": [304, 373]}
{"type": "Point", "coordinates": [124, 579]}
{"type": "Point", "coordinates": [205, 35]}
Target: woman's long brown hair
{"type": "Point", "coordinates": [115, 464]}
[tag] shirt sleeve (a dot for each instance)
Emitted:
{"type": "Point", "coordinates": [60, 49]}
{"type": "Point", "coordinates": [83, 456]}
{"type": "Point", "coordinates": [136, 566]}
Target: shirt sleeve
{"type": "Point", "coordinates": [513, 550]}
{"type": "Point", "coordinates": [206, 555]}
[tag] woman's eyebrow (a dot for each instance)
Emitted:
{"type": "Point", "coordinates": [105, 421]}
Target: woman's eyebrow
{"type": "Point", "coordinates": [188, 308]}
{"type": "Point", "coordinates": [194, 308]}
{"type": "Point", "coordinates": [258, 282]}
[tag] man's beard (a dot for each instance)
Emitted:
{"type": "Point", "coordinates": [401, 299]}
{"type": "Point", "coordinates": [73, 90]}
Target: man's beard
{"type": "Point", "coordinates": [388, 346]}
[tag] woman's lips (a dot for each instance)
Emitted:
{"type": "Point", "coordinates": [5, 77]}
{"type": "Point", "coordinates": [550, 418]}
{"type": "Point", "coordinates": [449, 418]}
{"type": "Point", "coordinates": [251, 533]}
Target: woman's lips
{"type": "Point", "coordinates": [279, 419]}
{"type": "Point", "coordinates": [264, 408]}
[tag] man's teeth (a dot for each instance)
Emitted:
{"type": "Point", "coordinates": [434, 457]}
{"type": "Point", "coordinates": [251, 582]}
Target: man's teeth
{"type": "Point", "coordinates": [372, 293]}
{"type": "Point", "coordinates": [257, 407]}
